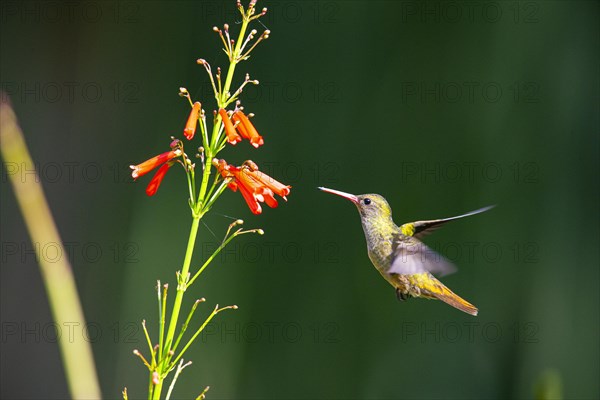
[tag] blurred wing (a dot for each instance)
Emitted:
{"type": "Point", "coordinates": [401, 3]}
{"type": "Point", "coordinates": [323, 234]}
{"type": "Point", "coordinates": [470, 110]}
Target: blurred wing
{"type": "Point", "coordinates": [421, 228]}
{"type": "Point", "coordinates": [413, 257]}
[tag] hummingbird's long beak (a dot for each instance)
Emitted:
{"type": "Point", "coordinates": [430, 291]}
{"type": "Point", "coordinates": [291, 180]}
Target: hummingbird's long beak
{"type": "Point", "coordinates": [345, 195]}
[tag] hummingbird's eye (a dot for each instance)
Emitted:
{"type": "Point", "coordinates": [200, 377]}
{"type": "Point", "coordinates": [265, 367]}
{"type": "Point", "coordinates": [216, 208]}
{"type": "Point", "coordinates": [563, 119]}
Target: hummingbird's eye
{"type": "Point", "coordinates": [367, 201]}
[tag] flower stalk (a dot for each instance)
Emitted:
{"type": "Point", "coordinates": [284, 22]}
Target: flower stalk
{"type": "Point", "coordinates": [228, 127]}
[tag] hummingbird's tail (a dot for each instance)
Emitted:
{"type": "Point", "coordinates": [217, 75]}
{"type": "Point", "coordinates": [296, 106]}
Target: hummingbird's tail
{"type": "Point", "coordinates": [432, 288]}
{"type": "Point", "coordinates": [456, 301]}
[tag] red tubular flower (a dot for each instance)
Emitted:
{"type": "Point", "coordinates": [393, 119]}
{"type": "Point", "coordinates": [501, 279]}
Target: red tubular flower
{"type": "Point", "coordinates": [255, 187]}
{"type": "Point", "coordinates": [251, 199]}
{"type": "Point", "coordinates": [232, 135]}
{"type": "Point", "coordinates": [148, 165]}
{"type": "Point", "coordinates": [270, 199]}
{"type": "Point", "coordinates": [277, 187]}
{"type": "Point", "coordinates": [192, 122]}
{"type": "Point", "coordinates": [157, 179]}
{"type": "Point", "coordinates": [246, 129]}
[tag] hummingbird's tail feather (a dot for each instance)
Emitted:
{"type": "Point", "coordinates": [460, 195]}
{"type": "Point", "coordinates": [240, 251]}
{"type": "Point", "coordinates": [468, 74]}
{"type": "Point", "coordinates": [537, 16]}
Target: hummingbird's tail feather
{"type": "Point", "coordinates": [457, 302]}
{"type": "Point", "coordinates": [432, 288]}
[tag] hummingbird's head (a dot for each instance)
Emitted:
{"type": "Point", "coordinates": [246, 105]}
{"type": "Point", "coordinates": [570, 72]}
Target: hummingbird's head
{"type": "Point", "coordinates": [372, 207]}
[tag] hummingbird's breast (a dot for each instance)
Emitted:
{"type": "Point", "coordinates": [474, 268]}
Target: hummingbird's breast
{"type": "Point", "coordinates": [381, 257]}
{"type": "Point", "coordinates": [380, 238]}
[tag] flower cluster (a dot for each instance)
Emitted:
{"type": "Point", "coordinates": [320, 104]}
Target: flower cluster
{"type": "Point", "coordinates": [255, 186]}
{"type": "Point", "coordinates": [231, 125]}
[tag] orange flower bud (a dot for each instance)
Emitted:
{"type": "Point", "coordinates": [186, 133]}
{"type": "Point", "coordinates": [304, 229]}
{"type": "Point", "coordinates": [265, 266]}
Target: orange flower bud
{"type": "Point", "coordinates": [192, 122]}
{"type": "Point", "coordinates": [232, 135]}
{"type": "Point", "coordinates": [247, 130]}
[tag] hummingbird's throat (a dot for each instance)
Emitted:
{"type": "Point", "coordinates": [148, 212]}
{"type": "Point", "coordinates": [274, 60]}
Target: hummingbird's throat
{"type": "Point", "coordinates": [379, 236]}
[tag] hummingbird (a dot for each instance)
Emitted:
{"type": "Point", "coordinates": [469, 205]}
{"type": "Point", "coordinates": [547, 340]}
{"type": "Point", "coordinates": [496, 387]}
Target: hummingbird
{"type": "Point", "coordinates": [399, 255]}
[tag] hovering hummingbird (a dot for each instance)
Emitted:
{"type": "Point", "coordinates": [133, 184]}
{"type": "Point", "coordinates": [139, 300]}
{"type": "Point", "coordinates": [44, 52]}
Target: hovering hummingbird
{"type": "Point", "coordinates": [398, 254]}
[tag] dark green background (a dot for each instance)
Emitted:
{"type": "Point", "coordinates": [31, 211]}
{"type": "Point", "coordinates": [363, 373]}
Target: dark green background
{"type": "Point", "coordinates": [441, 107]}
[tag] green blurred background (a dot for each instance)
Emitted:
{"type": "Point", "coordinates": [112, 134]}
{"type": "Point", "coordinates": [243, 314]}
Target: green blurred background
{"type": "Point", "coordinates": [441, 107]}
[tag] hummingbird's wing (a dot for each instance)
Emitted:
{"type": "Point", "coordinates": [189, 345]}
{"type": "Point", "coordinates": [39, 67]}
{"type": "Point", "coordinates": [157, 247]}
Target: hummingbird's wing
{"type": "Point", "coordinates": [421, 228]}
{"type": "Point", "coordinates": [411, 256]}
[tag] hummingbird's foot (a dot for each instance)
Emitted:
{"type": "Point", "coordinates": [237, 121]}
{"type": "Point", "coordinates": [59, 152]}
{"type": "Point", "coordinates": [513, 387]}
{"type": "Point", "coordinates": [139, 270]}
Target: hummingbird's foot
{"type": "Point", "coordinates": [401, 295]}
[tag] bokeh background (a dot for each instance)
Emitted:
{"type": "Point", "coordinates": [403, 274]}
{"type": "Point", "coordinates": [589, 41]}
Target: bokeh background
{"type": "Point", "coordinates": [442, 107]}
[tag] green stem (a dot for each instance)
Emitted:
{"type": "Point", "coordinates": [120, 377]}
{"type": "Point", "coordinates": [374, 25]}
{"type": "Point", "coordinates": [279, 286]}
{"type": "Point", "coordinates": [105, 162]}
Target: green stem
{"type": "Point", "coordinates": [213, 197]}
{"type": "Point", "coordinates": [223, 97]}
{"type": "Point", "coordinates": [181, 287]}
{"type": "Point", "coordinates": [152, 352]}
{"type": "Point", "coordinates": [205, 178]}
{"type": "Point", "coordinates": [186, 323]}
{"type": "Point", "coordinates": [189, 343]}
{"type": "Point", "coordinates": [190, 179]}
{"type": "Point", "coordinates": [150, 387]}
{"type": "Point", "coordinates": [236, 54]}
{"type": "Point", "coordinates": [212, 257]}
